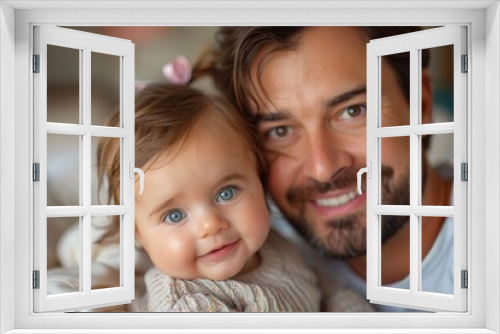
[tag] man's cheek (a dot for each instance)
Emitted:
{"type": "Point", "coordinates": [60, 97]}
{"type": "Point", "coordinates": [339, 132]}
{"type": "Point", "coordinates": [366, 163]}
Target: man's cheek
{"type": "Point", "coordinates": [271, 157]}
{"type": "Point", "coordinates": [273, 185]}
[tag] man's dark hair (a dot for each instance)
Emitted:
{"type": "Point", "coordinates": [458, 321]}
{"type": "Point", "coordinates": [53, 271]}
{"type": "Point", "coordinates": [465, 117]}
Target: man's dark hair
{"type": "Point", "coordinates": [237, 49]}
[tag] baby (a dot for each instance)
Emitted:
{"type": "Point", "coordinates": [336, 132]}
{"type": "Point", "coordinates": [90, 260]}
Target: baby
{"type": "Point", "coordinates": [202, 217]}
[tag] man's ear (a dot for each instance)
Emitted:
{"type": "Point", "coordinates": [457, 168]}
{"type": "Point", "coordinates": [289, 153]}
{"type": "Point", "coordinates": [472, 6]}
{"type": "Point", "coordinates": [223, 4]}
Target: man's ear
{"type": "Point", "coordinates": [426, 97]}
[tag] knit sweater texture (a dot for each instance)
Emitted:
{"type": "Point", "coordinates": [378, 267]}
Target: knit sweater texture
{"type": "Point", "coordinates": [281, 283]}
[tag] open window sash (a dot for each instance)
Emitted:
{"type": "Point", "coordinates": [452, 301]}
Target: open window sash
{"type": "Point", "coordinates": [414, 297]}
{"type": "Point", "coordinates": [85, 43]}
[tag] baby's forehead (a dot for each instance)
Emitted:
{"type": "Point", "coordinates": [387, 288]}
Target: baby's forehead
{"type": "Point", "coordinates": [222, 128]}
{"type": "Point", "coordinates": [203, 140]}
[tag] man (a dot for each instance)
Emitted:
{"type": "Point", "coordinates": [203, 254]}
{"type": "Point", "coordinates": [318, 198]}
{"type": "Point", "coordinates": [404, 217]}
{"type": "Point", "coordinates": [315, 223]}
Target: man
{"type": "Point", "coordinates": [305, 89]}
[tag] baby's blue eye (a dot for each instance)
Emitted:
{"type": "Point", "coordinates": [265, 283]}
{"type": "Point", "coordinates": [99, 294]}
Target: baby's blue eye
{"type": "Point", "coordinates": [226, 194]}
{"type": "Point", "coordinates": [174, 216]}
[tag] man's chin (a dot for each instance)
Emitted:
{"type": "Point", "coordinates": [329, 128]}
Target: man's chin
{"type": "Point", "coordinates": [330, 248]}
{"type": "Point", "coordinates": [340, 238]}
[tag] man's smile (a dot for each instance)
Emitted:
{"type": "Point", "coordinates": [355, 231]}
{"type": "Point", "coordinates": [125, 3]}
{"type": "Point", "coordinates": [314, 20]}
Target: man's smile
{"type": "Point", "coordinates": [338, 200]}
{"type": "Point", "coordinates": [338, 204]}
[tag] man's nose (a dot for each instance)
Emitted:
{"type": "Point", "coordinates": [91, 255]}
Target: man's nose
{"type": "Point", "coordinates": [326, 157]}
{"type": "Point", "coordinates": [212, 224]}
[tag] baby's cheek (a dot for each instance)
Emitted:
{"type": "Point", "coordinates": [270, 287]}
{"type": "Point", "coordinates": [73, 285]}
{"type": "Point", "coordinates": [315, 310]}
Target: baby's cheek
{"type": "Point", "coordinates": [257, 227]}
{"type": "Point", "coordinates": [263, 218]}
{"type": "Point", "coordinates": [176, 258]}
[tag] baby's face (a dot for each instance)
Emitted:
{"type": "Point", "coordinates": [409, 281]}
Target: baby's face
{"type": "Point", "coordinates": [203, 212]}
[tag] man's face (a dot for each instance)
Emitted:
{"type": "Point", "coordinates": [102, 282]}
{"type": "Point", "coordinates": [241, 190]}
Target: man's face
{"type": "Point", "coordinates": [313, 123]}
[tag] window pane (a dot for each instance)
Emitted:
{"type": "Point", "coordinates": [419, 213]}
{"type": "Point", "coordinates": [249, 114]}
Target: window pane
{"type": "Point", "coordinates": [438, 81]}
{"type": "Point", "coordinates": [106, 252]}
{"type": "Point", "coordinates": [395, 170]}
{"type": "Point", "coordinates": [394, 106]}
{"type": "Point", "coordinates": [111, 167]}
{"type": "Point", "coordinates": [63, 85]}
{"type": "Point", "coordinates": [63, 255]}
{"type": "Point", "coordinates": [63, 170]}
{"type": "Point", "coordinates": [437, 265]}
{"type": "Point", "coordinates": [438, 166]}
{"type": "Point", "coordinates": [395, 258]}
{"type": "Point", "coordinates": [105, 87]}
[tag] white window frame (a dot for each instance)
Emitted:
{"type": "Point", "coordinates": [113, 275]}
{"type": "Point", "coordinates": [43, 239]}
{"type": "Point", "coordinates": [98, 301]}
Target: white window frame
{"type": "Point", "coordinates": [84, 131]}
{"type": "Point", "coordinates": [16, 21]}
{"type": "Point", "coordinates": [414, 43]}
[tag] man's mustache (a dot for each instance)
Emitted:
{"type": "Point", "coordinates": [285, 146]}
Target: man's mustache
{"type": "Point", "coordinates": [345, 178]}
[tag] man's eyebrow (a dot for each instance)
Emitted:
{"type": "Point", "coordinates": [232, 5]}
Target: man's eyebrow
{"type": "Point", "coordinates": [271, 116]}
{"type": "Point", "coordinates": [278, 115]}
{"type": "Point", "coordinates": [346, 96]}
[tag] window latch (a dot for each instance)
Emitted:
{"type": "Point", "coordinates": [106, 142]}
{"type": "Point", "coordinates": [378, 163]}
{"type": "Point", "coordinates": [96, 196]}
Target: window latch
{"type": "Point", "coordinates": [368, 171]}
{"type": "Point", "coordinates": [133, 170]}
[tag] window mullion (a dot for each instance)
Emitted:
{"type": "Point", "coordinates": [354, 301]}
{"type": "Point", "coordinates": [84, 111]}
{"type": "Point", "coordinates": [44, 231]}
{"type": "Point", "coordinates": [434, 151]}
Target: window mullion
{"type": "Point", "coordinates": [419, 129]}
{"type": "Point", "coordinates": [392, 131]}
{"type": "Point", "coordinates": [433, 128]}
{"type": "Point", "coordinates": [415, 93]}
{"type": "Point", "coordinates": [127, 113]}
{"type": "Point", "coordinates": [80, 154]}
{"type": "Point", "coordinates": [418, 151]}
{"type": "Point", "coordinates": [80, 130]}
{"type": "Point", "coordinates": [40, 155]}
{"type": "Point", "coordinates": [459, 156]}
{"type": "Point", "coordinates": [86, 171]}
{"type": "Point", "coordinates": [422, 211]}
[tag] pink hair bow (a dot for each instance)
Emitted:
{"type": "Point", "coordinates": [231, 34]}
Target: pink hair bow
{"type": "Point", "coordinates": [178, 71]}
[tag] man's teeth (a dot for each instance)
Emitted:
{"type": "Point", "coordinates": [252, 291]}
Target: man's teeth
{"type": "Point", "coordinates": [336, 201]}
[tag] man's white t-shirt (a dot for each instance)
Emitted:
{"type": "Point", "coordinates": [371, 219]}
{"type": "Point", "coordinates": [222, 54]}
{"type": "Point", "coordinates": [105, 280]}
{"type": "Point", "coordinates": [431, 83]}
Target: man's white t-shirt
{"type": "Point", "coordinates": [437, 270]}
{"type": "Point", "coordinates": [437, 267]}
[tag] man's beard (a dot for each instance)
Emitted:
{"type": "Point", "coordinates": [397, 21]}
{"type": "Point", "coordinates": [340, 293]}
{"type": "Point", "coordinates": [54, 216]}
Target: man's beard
{"type": "Point", "coordinates": [345, 237]}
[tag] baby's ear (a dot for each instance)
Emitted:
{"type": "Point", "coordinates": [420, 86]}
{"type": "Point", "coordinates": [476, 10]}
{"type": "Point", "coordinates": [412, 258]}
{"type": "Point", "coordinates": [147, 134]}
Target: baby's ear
{"type": "Point", "coordinates": [138, 242]}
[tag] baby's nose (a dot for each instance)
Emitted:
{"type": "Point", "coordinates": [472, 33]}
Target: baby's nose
{"type": "Point", "coordinates": [212, 225]}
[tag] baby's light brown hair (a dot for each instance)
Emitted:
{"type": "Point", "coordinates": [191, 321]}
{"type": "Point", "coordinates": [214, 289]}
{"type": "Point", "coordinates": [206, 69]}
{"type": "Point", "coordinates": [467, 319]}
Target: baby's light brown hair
{"type": "Point", "coordinates": [165, 116]}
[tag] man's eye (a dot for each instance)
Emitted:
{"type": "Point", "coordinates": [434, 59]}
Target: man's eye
{"type": "Point", "coordinates": [352, 111]}
{"type": "Point", "coordinates": [174, 216]}
{"type": "Point", "coordinates": [278, 132]}
{"type": "Point", "coordinates": [226, 194]}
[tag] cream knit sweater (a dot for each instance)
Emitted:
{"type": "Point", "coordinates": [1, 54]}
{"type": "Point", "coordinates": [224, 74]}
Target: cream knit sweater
{"type": "Point", "coordinates": [282, 283]}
